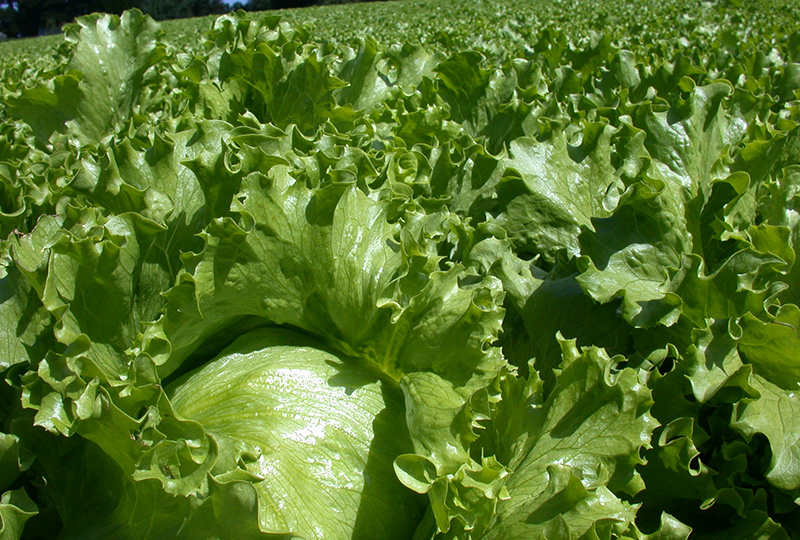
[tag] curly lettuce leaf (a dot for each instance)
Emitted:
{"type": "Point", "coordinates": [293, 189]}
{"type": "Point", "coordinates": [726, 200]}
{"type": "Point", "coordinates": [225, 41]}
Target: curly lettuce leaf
{"type": "Point", "coordinates": [562, 188]}
{"type": "Point", "coordinates": [555, 463]}
{"type": "Point", "coordinates": [660, 225]}
{"type": "Point", "coordinates": [774, 416]}
{"type": "Point", "coordinates": [103, 82]}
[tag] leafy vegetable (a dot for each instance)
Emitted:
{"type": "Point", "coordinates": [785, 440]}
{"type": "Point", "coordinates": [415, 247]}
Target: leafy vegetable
{"type": "Point", "coordinates": [270, 286]}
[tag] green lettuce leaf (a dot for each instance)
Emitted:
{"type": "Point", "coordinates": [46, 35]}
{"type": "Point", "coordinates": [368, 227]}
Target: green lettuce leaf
{"type": "Point", "coordinates": [96, 498]}
{"type": "Point", "coordinates": [563, 187]}
{"type": "Point", "coordinates": [556, 463]}
{"type": "Point", "coordinates": [571, 450]}
{"type": "Point", "coordinates": [106, 72]}
{"type": "Point", "coordinates": [319, 433]}
{"type": "Point", "coordinates": [15, 509]}
{"type": "Point", "coordinates": [682, 153]}
{"type": "Point", "coordinates": [771, 346]}
{"type": "Point", "coordinates": [773, 415]}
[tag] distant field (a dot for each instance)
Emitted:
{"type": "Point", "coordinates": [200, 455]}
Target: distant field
{"type": "Point", "coordinates": [502, 26]}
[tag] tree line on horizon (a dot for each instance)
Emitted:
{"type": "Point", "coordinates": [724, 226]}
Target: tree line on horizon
{"type": "Point", "coordinates": [26, 18]}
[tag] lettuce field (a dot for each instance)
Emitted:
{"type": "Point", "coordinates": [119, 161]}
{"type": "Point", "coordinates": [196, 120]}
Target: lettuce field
{"type": "Point", "coordinates": [404, 271]}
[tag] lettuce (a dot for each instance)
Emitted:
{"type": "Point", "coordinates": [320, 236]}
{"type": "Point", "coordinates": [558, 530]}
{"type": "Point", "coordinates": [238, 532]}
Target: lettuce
{"type": "Point", "coordinates": [268, 287]}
